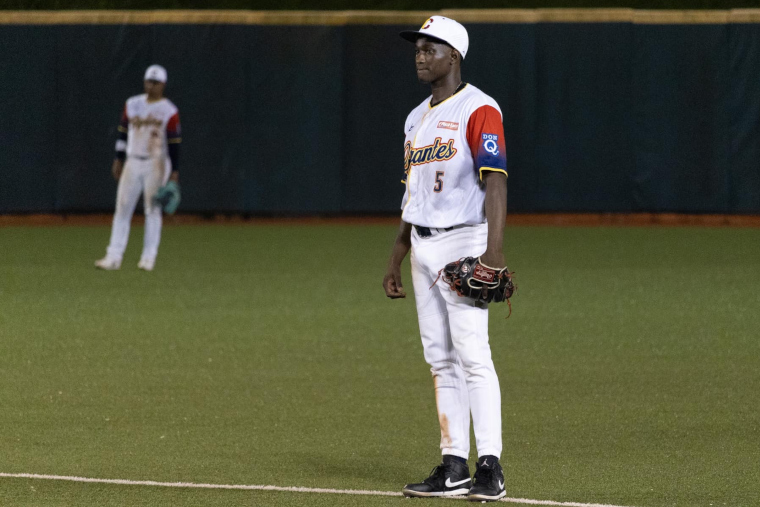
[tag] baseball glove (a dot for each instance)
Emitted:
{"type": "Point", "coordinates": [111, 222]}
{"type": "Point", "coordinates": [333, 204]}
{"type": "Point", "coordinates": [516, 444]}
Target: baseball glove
{"type": "Point", "coordinates": [469, 278]}
{"type": "Point", "coordinates": [168, 197]}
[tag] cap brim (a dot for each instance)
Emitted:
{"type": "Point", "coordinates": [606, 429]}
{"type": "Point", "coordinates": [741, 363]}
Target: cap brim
{"type": "Point", "coordinates": [413, 35]}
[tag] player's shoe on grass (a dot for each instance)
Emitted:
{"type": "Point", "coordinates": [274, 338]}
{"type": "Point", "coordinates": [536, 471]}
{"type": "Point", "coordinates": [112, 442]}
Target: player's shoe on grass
{"type": "Point", "coordinates": [108, 264]}
{"type": "Point", "coordinates": [488, 482]}
{"type": "Point", "coordinates": [146, 264]}
{"type": "Point", "coordinates": [450, 478]}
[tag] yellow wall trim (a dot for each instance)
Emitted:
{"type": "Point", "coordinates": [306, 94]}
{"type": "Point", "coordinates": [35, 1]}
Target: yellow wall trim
{"type": "Point", "coordinates": [413, 18]}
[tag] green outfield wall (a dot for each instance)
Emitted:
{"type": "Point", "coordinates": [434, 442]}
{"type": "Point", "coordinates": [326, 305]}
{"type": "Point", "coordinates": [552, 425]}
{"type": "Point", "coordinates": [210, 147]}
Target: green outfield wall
{"type": "Point", "coordinates": [296, 112]}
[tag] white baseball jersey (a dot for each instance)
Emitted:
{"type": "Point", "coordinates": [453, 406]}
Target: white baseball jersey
{"type": "Point", "coordinates": [145, 131]}
{"type": "Point", "coordinates": [150, 126]}
{"type": "Point", "coordinates": [447, 148]}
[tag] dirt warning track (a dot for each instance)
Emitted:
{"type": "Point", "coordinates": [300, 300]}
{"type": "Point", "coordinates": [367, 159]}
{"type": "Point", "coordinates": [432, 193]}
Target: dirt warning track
{"type": "Point", "coordinates": [514, 219]}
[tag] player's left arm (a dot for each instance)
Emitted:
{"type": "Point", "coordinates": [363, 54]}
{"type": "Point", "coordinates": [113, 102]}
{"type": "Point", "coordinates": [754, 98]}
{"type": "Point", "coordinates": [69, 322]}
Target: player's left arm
{"type": "Point", "coordinates": [117, 167]}
{"type": "Point", "coordinates": [174, 138]}
{"type": "Point", "coordinates": [496, 214]}
{"type": "Point", "coordinates": [485, 136]}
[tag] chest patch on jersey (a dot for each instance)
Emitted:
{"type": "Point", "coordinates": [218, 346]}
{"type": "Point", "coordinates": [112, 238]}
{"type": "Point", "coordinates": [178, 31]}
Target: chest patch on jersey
{"type": "Point", "coordinates": [490, 143]}
{"type": "Point", "coordinates": [450, 125]}
{"type": "Point", "coordinates": [436, 152]}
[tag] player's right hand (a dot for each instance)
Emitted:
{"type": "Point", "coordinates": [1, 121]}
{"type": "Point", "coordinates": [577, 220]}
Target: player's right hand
{"type": "Point", "coordinates": [116, 169]}
{"type": "Point", "coordinates": [392, 284]}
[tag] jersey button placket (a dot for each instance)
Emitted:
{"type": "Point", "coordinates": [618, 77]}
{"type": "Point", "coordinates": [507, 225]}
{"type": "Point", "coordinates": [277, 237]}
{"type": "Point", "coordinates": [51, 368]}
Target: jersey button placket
{"type": "Point", "coordinates": [412, 179]}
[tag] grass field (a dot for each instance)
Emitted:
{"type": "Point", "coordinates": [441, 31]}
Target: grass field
{"type": "Point", "coordinates": [268, 355]}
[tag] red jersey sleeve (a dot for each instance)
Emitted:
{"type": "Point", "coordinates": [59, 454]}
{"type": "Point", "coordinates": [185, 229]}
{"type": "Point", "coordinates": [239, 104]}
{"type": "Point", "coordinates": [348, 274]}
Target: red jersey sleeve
{"type": "Point", "coordinates": [173, 130]}
{"type": "Point", "coordinates": [485, 135]}
{"type": "Point", "coordinates": [124, 122]}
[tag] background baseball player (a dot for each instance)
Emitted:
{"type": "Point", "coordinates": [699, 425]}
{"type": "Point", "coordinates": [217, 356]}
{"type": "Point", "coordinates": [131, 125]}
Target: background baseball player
{"type": "Point", "coordinates": [147, 155]}
{"type": "Point", "coordinates": [454, 206]}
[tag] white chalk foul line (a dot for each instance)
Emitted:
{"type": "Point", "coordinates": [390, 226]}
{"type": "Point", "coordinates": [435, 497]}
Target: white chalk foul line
{"type": "Point", "coordinates": [291, 489]}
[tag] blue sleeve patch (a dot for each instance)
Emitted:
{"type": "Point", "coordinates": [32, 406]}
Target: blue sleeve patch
{"type": "Point", "coordinates": [490, 153]}
{"type": "Point", "coordinates": [491, 144]}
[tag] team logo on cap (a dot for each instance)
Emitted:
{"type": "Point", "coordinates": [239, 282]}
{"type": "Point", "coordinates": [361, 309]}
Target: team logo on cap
{"type": "Point", "coordinates": [427, 24]}
{"type": "Point", "coordinates": [490, 143]}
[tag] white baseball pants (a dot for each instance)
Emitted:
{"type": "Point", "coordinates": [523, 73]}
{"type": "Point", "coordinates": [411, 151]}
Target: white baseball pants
{"type": "Point", "coordinates": [454, 333]}
{"type": "Point", "coordinates": [138, 177]}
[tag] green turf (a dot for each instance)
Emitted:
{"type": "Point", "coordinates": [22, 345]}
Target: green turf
{"type": "Point", "coordinates": [630, 368]}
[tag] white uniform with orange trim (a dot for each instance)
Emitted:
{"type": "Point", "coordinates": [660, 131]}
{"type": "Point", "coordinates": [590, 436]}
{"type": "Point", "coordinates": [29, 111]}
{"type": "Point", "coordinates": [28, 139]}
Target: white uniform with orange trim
{"type": "Point", "coordinates": [150, 127]}
{"type": "Point", "coordinates": [447, 149]}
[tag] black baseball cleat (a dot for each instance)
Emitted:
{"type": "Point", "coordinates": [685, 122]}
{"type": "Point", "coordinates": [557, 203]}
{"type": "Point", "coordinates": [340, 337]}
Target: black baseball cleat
{"type": "Point", "coordinates": [450, 478]}
{"type": "Point", "coordinates": [488, 482]}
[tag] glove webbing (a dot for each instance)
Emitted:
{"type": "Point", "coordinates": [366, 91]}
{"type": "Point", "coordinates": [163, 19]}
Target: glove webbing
{"type": "Point", "coordinates": [458, 283]}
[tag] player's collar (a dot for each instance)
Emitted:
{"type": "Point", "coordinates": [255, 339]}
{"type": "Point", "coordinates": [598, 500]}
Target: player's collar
{"type": "Point", "coordinates": [461, 87]}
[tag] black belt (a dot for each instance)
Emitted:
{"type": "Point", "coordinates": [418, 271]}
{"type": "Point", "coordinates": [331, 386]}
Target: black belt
{"type": "Point", "coordinates": [426, 232]}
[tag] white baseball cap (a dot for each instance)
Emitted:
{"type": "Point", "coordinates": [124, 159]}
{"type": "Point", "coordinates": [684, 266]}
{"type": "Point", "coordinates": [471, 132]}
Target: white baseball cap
{"type": "Point", "coordinates": [155, 73]}
{"type": "Point", "coordinates": [441, 29]}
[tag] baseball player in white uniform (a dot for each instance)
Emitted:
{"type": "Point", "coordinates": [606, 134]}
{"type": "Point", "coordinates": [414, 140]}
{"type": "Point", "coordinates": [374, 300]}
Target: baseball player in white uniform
{"type": "Point", "coordinates": [147, 156]}
{"type": "Point", "coordinates": [454, 206]}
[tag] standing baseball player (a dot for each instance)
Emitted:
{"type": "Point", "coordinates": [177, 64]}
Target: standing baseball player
{"type": "Point", "coordinates": [454, 206]}
{"type": "Point", "coordinates": [147, 155]}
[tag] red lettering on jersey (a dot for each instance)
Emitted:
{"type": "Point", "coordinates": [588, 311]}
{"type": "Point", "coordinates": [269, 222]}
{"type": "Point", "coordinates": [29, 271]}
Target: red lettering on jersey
{"type": "Point", "coordinates": [148, 121]}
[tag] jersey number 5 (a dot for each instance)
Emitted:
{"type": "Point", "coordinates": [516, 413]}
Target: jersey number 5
{"type": "Point", "coordinates": [438, 182]}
